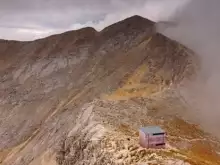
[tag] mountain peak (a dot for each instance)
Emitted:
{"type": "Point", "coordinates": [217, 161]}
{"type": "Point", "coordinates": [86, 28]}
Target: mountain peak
{"type": "Point", "coordinates": [134, 21]}
{"type": "Point", "coordinates": [129, 25]}
{"type": "Point", "coordinates": [137, 18]}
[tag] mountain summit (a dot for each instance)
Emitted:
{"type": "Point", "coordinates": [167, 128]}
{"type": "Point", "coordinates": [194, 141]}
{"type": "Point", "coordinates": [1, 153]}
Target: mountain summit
{"type": "Point", "coordinates": [81, 96]}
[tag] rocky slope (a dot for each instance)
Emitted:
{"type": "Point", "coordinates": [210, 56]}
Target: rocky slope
{"type": "Point", "coordinates": [80, 97]}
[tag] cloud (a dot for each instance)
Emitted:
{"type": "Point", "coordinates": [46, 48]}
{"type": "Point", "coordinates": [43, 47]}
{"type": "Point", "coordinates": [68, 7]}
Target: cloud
{"type": "Point", "coordinates": [23, 34]}
{"type": "Point", "coordinates": [39, 18]}
{"type": "Point", "coordinates": [197, 26]}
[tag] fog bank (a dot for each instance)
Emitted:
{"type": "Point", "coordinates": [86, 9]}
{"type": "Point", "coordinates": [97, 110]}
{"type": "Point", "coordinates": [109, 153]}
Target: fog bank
{"type": "Point", "coordinates": [197, 26]}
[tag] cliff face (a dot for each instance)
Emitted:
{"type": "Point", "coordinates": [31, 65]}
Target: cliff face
{"type": "Point", "coordinates": [62, 95]}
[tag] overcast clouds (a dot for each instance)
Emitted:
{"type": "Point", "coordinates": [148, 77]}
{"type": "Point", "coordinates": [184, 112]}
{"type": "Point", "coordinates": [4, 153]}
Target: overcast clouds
{"type": "Point", "coordinates": [31, 19]}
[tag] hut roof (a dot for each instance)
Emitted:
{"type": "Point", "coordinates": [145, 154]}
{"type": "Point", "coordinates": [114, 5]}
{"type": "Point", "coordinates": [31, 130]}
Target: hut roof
{"type": "Point", "coordinates": [152, 130]}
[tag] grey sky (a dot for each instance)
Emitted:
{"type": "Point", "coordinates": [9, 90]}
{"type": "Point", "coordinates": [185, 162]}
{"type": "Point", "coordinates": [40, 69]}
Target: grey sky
{"type": "Point", "coordinates": [31, 19]}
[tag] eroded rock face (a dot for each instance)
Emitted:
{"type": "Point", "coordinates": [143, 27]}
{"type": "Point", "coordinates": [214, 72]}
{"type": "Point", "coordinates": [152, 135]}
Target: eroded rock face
{"type": "Point", "coordinates": [45, 84]}
{"type": "Point", "coordinates": [107, 132]}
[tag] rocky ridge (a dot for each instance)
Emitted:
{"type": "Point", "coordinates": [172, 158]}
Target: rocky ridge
{"type": "Point", "coordinates": [79, 98]}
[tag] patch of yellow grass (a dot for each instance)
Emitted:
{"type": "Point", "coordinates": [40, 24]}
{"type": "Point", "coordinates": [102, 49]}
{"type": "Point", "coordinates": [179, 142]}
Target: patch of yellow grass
{"type": "Point", "coordinates": [199, 151]}
{"type": "Point", "coordinates": [47, 158]}
{"type": "Point", "coordinates": [11, 152]}
{"type": "Point", "coordinates": [137, 76]}
{"type": "Point", "coordinates": [133, 87]}
{"type": "Point", "coordinates": [3, 155]}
